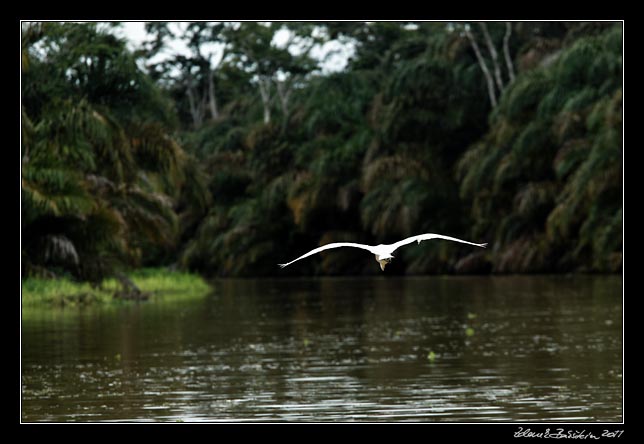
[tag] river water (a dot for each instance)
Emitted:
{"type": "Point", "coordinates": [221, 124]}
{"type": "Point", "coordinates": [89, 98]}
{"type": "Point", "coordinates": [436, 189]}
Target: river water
{"type": "Point", "coordinates": [424, 349]}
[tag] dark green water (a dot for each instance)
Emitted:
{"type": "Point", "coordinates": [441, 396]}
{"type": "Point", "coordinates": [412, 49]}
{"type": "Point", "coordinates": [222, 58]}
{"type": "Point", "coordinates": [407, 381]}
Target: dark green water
{"type": "Point", "coordinates": [467, 349]}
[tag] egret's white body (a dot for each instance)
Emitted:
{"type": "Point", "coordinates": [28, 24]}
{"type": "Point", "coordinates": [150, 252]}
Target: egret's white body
{"type": "Point", "coordinates": [383, 252]}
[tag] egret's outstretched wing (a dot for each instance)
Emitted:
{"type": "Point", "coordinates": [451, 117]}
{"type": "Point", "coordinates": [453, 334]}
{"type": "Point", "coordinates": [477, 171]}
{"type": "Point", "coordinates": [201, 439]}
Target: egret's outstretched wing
{"type": "Point", "coordinates": [327, 247]}
{"type": "Point", "coordinates": [428, 236]}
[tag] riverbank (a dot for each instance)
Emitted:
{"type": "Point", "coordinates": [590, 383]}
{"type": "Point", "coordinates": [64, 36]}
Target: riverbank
{"type": "Point", "coordinates": [154, 283]}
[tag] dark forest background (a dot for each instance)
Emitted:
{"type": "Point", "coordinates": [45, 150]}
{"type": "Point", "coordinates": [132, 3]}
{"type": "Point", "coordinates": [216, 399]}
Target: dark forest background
{"type": "Point", "coordinates": [506, 133]}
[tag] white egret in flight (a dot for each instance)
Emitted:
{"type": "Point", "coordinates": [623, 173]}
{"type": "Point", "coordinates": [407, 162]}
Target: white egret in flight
{"type": "Point", "coordinates": [382, 252]}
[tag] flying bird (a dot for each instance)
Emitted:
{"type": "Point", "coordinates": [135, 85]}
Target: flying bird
{"type": "Point", "coordinates": [382, 252]}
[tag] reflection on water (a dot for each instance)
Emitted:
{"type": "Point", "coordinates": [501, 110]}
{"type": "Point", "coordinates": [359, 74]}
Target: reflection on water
{"type": "Point", "coordinates": [470, 349]}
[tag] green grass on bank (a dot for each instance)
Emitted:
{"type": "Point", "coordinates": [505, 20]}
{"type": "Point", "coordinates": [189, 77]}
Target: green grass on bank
{"type": "Point", "coordinates": [159, 283]}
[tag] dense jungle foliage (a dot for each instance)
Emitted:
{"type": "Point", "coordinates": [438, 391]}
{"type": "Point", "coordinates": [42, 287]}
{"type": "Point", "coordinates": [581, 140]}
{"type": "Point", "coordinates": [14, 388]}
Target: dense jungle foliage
{"type": "Point", "coordinates": [505, 133]}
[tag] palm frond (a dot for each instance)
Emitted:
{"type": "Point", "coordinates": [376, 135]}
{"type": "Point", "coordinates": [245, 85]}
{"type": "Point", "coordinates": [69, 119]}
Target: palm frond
{"type": "Point", "coordinates": [57, 192]}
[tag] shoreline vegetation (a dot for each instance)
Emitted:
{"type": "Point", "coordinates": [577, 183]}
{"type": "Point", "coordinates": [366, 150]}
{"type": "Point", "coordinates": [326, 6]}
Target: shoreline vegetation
{"type": "Point", "coordinates": [148, 284]}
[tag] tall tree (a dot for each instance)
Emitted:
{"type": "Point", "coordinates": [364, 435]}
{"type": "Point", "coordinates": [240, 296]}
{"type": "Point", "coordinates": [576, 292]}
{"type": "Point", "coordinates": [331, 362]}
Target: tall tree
{"type": "Point", "coordinates": [275, 68]}
{"type": "Point", "coordinates": [194, 74]}
{"type": "Point", "coordinates": [493, 76]}
{"type": "Point", "coordinates": [102, 172]}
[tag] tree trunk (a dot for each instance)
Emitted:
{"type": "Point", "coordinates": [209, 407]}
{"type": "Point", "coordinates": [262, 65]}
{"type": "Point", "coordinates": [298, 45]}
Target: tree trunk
{"type": "Point", "coordinates": [484, 68]}
{"type": "Point", "coordinates": [129, 289]}
{"type": "Point", "coordinates": [264, 90]}
{"type": "Point", "coordinates": [197, 115]}
{"type": "Point", "coordinates": [211, 96]}
{"type": "Point", "coordinates": [506, 50]}
{"type": "Point", "coordinates": [284, 93]}
{"type": "Point", "coordinates": [494, 55]}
